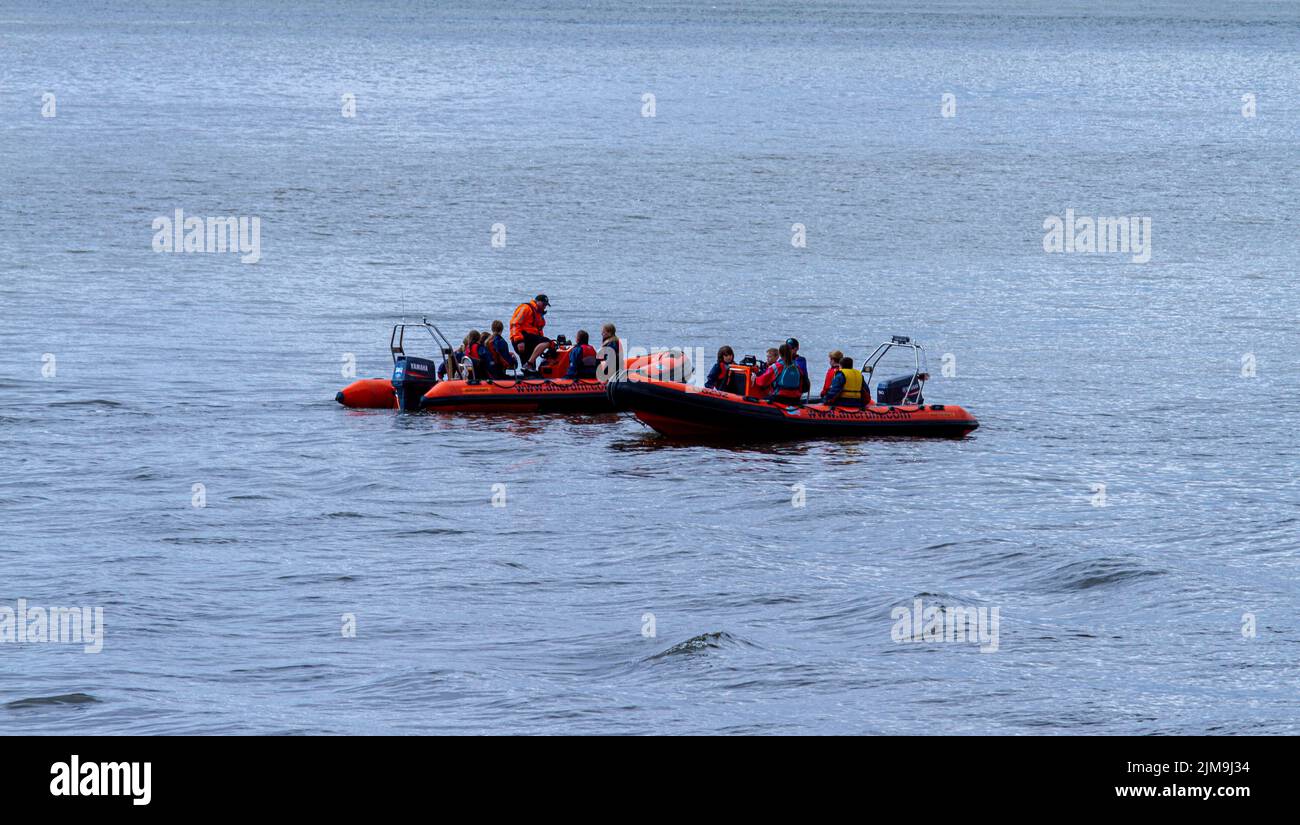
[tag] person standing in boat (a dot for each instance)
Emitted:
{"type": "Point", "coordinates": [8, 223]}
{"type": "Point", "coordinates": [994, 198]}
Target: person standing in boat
{"type": "Point", "coordinates": [847, 387]}
{"type": "Point", "coordinates": [526, 326]}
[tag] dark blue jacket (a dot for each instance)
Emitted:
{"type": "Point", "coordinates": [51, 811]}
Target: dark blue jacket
{"type": "Point", "coordinates": [717, 379]}
{"type": "Point", "coordinates": [837, 386]}
{"type": "Point", "coordinates": [610, 349]}
{"type": "Point", "coordinates": [579, 354]}
{"type": "Point", "coordinates": [500, 345]}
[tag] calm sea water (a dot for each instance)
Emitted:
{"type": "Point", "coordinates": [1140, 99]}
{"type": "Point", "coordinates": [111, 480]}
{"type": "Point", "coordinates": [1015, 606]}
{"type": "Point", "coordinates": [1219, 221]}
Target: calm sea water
{"type": "Point", "coordinates": [171, 370]}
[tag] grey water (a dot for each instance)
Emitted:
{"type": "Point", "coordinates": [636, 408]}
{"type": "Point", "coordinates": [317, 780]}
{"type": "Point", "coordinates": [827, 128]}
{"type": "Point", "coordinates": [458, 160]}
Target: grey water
{"type": "Point", "coordinates": [1129, 504]}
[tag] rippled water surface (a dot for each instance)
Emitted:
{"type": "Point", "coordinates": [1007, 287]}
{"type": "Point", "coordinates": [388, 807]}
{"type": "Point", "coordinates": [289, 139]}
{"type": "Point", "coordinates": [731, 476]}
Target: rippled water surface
{"type": "Point", "coordinates": [171, 370]}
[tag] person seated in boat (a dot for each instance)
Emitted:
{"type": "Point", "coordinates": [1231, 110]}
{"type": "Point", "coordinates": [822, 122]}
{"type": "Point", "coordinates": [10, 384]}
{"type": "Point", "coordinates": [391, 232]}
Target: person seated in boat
{"type": "Point", "coordinates": [452, 369]}
{"type": "Point", "coordinates": [526, 325]}
{"type": "Point", "coordinates": [475, 356]}
{"type": "Point", "coordinates": [609, 360]}
{"type": "Point", "coordinates": [582, 358]}
{"type": "Point", "coordinates": [502, 359]}
{"type": "Point", "coordinates": [788, 386]}
{"type": "Point", "coordinates": [455, 359]}
{"type": "Point", "coordinates": [835, 356]}
{"type": "Point", "coordinates": [720, 372]}
{"type": "Point", "coordinates": [800, 362]}
{"type": "Point", "coordinates": [848, 387]}
{"type": "Point", "coordinates": [767, 372]}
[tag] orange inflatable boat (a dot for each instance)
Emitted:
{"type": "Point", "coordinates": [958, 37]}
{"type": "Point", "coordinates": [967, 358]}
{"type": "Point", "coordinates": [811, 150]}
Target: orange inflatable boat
{"type": "Point", "coordinates": [419, 384]}
{"type": "Point", "coordinates": [368, 394]}
{"type": "Point", "coordinates": [545, 394]}
{"type": "Point", "coordinates": [739, 410]}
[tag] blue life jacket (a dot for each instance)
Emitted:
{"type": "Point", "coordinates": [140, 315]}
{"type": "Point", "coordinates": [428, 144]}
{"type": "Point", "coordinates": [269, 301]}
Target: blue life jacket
{"type": "Point", "coordinates": [790, 378]}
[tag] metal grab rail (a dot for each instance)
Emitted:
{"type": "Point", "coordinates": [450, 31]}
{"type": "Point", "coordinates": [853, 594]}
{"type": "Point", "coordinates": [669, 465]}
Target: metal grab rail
{"type": "Point", "coordinates": [920, 369]}
{"type": "Point", "coordinates": [457, 370]}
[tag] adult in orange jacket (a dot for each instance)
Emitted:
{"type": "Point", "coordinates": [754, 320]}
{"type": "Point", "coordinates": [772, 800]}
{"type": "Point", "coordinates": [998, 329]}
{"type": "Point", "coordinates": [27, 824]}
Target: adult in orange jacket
{"type": "Point", "coordinates": [526, 330]}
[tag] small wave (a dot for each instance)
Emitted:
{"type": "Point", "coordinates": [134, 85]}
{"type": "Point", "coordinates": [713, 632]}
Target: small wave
{"type": "Point", "coordinates": [88, 402]}
{"type": "Point", "coordinates": [61, 699]}
{"type": "Point", "coordinates": [323, 578]}
{"type": "Point", "coordinates": [428, 531]}
{"type": "Point", "coordinates": [200, 540]}
{"type": "Point", "coordinates": [702, 643]}
{"type": "Point", "coordinates": [413, 688]}
{"type": "Point", "coordinates": [276, 670]}
{"type": "Point", "coordinates": [940, 600]}
{"type": "Point", "coordinates": [1085, 575]}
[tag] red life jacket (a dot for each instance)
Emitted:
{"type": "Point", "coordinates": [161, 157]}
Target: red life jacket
{"type": "Point", "coordinates": [584, 355]}
{"type": "Point", "coordinates": [830, 376]}
{"type": "Point", "coordinates": [474, 352]}
{"type": "Point", "coordinates": [787, 374]}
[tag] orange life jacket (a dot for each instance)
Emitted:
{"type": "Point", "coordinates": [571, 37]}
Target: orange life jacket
{"type": "Point", "coordinates": [527, 318]}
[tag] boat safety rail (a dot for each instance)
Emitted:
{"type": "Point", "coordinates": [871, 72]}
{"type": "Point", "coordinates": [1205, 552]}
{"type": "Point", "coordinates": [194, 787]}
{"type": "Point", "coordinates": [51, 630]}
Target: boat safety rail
{"type": "Point", "coordinates": [397, 340]}
{"type": "Point", "coordinates": [920, 370]}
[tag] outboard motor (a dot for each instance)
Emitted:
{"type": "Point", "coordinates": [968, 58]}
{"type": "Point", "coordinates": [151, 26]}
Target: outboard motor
{"type": "Point", "coordinates": [412, 378]}
{"type": "Point", "coordinates": [890, 391]}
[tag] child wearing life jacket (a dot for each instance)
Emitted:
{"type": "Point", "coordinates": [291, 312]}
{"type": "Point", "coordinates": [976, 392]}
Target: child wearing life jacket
{"type": "Point", "coordinates": [501, 358]}
{"type": "Point", "coordinates": [788, 386]}
{"type": "Point", "coordinates": [456, 367]}
{"type": "Point", "coordinates": [717, 379]}
{"type": "Point", "coordinates": [765, 378]}
{"type": "Point", "coordinates": [476, 354]}
{"type": "Point", "coordinates": [835, 356]}
{"type": "Point", "coordinates": [848, 388]}
{"type": "Point", "coordinates": [582, 358]}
